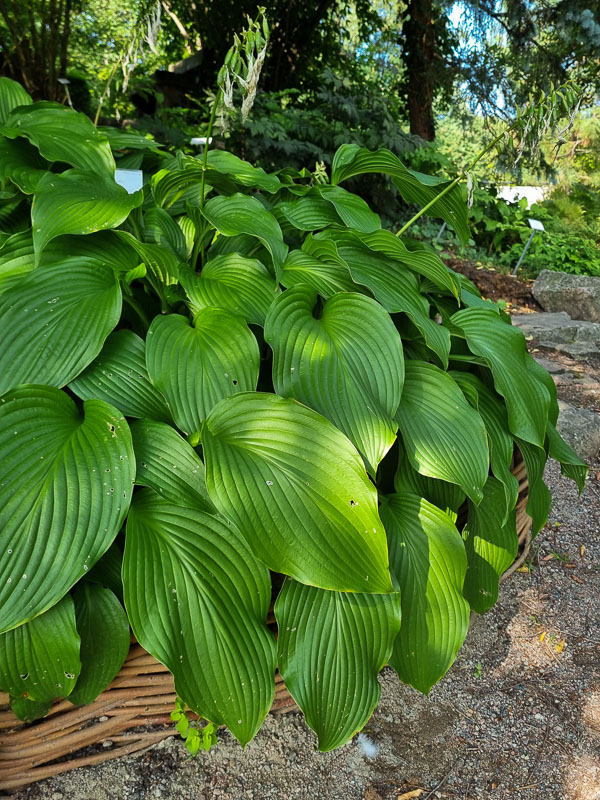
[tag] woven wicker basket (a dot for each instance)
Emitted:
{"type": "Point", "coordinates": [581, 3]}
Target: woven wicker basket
{"type": "Point", "coordinates": [134, 711]}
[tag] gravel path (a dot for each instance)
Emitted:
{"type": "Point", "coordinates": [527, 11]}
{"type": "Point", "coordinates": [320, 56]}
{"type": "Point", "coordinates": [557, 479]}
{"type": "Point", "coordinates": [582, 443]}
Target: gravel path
{"type": "Point", "coordinates": [518, 715]}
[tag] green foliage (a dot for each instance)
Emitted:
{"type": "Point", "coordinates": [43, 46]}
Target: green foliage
{"type": "Point", "coordinates": [247, 378]}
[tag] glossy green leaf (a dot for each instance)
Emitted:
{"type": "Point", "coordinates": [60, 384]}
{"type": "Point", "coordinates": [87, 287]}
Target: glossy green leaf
{"type": "Point", "coordinates": [331, 647]}
{"type": "Point", "coordinates": [428, 559]}
{"type": "Point", "coordinates": [309, 212]}
{"type": "Point", "coordinates": [40, 659]}
{"type": "Point", "coordinates": [162, 266]}
{"type": "Point", "coordinates": [539, 498]}
{"type": "Point", "coordinates": [66, 486]}
{"type": "Point", "coordinates": [347, 365]}
{"type": "Point", "coordinates": [29, 710]}
{"type": "Point", "coordinates": [505, 351]}
{"type": "Point", "coordinates": [119, 376]}
{"type": "Point", "coordinates": [107, 570]}
{"type": "Point", "coordinates": [240, 214]}
{"type": "Point", "coordinates": [493, 413]}
{"type": "Point", "coordinates": [397, 289]}
{"type": "Point", "coordinates": [442, 494]}
{"type": "Point", "coordinates": [22, 163]}
{"type": "Point", "coordinates": [491, 543]}
{"type": "Point", "coordinates": [78, 201]}
{"type": "Point", "coordinates": [61, 134]}
{"type": "Point", "coordinates": [325, 278]}
{"type": "Point", "coordinates": [415, 187]}
{"type": "Point", "coordinates": [571, 466]}
{"type": "Point", "coordinates": [103, 627]}
{"type": "Point", "coordinates": [161, 229]}
{"type": "Point", "coordinates": [194, 365]}
{"type": "Point", "coordinates": [351, 208]}
{"type": "Point", "coordinates": [16, 259]}
{"type": "Point", "coordinates": [241, 285]}
{"type": "Point", "coordinates": [443, 436]}
{"type": "Point", "coordinates": [169, 465]}
{"type": "Point", "coordinates": [54, 321]}
{"type": "Point", "coordinates": [241, 171]}
{"type": "Point", "coordinates": [425, 262]}
{"type": "Point", "coordinates": [197, 600]}
{"type": "Point", "coordinates": [12, 95]}
{"type": "Point", "coordinates": [308, 512]}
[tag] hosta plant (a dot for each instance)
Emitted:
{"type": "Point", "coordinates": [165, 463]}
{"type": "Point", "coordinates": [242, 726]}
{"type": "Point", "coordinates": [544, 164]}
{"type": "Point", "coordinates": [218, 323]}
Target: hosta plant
{"type": "Point", "coordinates": [233, 388]}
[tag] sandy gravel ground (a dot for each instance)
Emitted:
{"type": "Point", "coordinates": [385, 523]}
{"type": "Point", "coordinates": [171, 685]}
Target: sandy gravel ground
{"type": "Point", "coordinates": [518, 715]}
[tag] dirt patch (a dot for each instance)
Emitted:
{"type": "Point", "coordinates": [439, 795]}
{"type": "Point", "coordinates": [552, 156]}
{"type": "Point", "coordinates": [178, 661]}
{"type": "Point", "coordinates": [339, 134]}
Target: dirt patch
{"type": "Point", "coordinates": [495, 285]}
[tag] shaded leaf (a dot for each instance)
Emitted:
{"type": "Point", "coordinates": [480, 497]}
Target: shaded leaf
{"type": "Point", "coordinates": [194, 365]}
{"type": "Point", "coordinates": [198, 601]}
{"type": "Point", "coordinates": [40, 659]}
{"type": "Point", "coordinates": [66, 486]}
{"type": "Point", "coordinates": [427, 558]}
{"type": "Point", "coordinates": [331, 647]}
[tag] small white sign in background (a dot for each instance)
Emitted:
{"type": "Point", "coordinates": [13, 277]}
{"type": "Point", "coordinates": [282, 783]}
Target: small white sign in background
{"type": "Point", "coordinates": [130, 179]}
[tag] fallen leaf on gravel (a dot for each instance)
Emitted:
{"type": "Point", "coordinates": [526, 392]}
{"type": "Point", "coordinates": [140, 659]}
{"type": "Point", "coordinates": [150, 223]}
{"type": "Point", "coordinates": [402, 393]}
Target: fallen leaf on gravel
{"type": "Point", "coordinates": [548, 557]}
{"type": "Point", "coordinates": [543, 636]}
{"type": "Point", "coordinates": [577, 580]}
{"type": "Point", "coordinates": [560, 646]}
{"type": "Point", "coordinates": [582, 551]}
{"type": "Point", "coordinates": [409, 795]}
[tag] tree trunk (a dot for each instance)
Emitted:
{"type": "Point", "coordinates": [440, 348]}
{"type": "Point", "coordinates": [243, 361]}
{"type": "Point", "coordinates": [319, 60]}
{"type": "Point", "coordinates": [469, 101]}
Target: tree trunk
{"type": "Point", "coordinates": [419, 55]}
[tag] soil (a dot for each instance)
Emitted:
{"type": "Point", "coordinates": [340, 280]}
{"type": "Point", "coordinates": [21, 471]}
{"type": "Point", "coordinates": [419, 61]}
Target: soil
{"type": "Point", "coordinates": [495, 285]}
{"type": "Point", "coordinates": [516, 718]}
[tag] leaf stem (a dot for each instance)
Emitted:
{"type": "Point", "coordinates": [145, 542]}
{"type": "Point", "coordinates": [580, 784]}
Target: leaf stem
{"type": "Point", "coordinates": [458, 179]}
{"type": "Point", "coordinates": [199, 243]}
{"type": "Point", "coordinates": [106, 88]}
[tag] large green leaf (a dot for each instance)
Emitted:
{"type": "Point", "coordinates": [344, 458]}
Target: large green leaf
{"type": "Point", "coordinates": [443, 436]}
{"type": "Point", "coordinates": [493, 413]}
{"type": "Point", "coordinates": [444, 495]}
{"type": "Point", "coordinates": [16, 259]}
{"type": "Point", "coordinates": [539, 498]}
{"type": "Point", "coordinates": [331, 647]}
{"type": "Point", "coordinates": [242, 285]}
{"type": "Point", "coordinates": [196, 365]}
{"type": "Point", "coordinates": [169, 465]}
{"type": "Point", "coordinates": [40, 659]}
{"type": "Point", "coordinates": [352, 209]}
{"type": "Point", "coordinates": [491, 543]}
{"type": "Point", "coordinates": [197, 600]}
{"type": "Point", "coordinates": [505, 351]}
{"type": "Point", "coordinates": [326, 278]}
{"type": "Point", "coordinates": [415, 187]}
{"type": "Point", "coordinates": [421, 260]}
{"type": "Point", "coordinates": [66, 486]}
{"type": "Point", "coordinates": [297, 490]}
{"type": "Point", "coordinates": [571, 466]}
{"type": "Point", "coordinates": [397, 289]}
{"type": "Point", "coordinates": [161, 229]}
{"type": "Point", "coordinates": [428, 559]}
{"type": "Point", "coordinates": [241, 171]}
{"type": "Point", "coordinates": [22, 163]}
{"type": "Point", "coordinates": [347, 365]}
{"type": "Point", "coordinates": [54, 321]}
{"type": "Point", "coordinates": [162, 265]}
{"type": "Point", "coordinates": [310, 212]}
{"type": "Point", "coordinates": [78, 201]}
{"type": "Point", "coordinates": [29, 710]}
{"type": "Point", "coordinates": [61, 134]}
{"type": "Point", "coordinates": [12, 95]}
{"type": "Point", "coordinates": [242, 214]}
{"type": "Point", "coordinates": [104, 630]}
{"type": "Point", "coordinates": [119, 376]}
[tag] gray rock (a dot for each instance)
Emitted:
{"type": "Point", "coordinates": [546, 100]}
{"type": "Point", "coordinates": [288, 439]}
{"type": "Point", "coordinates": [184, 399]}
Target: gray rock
{"type": "Point", "coordinates": [550, 366]}
{"type": "Point", "coordinates": [580, 428]}
{"type": "Point", "coordinates": [557, 327]}
{"type": "Point", "coordinates": [573, 350]}
{"type": "Point", "coordinates": [578, 295]}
